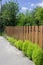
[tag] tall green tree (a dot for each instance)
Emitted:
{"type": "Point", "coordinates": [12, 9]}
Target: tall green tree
{"type": "Point", "coordinates": [9, 13]}
{"type": "Point", "coordinates": [38, 15]}
{"type": "Point", "coordinates": [25, 19]}
{"type": "Point", "coordinates": [21, 19]}
{"type": "Point", "coordinates": [28, 18]}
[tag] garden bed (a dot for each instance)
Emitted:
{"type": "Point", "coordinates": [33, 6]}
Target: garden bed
{"type": "Point", "coordinates": [32, 51]}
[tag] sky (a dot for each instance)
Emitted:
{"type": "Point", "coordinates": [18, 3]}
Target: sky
{"type": "Point", "coordinates": [27, 4]}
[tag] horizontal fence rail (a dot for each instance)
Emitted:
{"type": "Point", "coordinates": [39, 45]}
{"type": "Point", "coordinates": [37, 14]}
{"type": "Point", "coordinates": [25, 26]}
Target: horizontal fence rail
{"type": "Point", "coordinates": [33, 33]}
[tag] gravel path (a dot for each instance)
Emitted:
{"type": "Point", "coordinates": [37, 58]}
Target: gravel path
{"type": "Point", "coordinates": [9, 55]}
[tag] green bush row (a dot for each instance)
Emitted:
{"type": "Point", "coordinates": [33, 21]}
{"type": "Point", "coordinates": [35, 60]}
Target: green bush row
{"type": "Point", "coordinates": [32, 51]}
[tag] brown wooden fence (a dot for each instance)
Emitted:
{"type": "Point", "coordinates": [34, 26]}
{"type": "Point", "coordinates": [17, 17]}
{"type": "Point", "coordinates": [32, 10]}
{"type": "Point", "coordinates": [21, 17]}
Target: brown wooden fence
{"type": "Point", "coordinates": [33, 33]}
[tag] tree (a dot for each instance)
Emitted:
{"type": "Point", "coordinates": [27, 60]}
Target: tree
{"type": "Point", "coordinates": [1, 23]}
{"type": "Point", "coordinates": [28, 18]}
{"type": "Point", "coordinates": [9, 13]}
{"type": "Point", "coordinates": [21, 19]}
{"type": "Point", "coordinates": [38, 15]}
{"type": "Point", "coordinates": [25, 19]}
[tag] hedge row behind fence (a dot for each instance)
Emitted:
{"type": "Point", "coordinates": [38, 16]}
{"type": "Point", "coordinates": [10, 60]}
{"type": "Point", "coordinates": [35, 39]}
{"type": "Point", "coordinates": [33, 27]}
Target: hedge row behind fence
{"type": "Point", "coordinates": [33, 33]}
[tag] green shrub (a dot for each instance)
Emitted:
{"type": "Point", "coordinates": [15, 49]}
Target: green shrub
{"type": "Point", "coordinates": [30, 50]}
{"type": "Point", "coordinates": [12, 40]}
{"type": "Point", "coordinates": [25, 46]}
{"type": "Point", "coordinates": [37, 56]}
{"type": "Point", "coordinates": [19, 44]}
{"type": "Point", "coordinates": [33, 51]}
{"type": "Point", "coordinates": [36, 46]}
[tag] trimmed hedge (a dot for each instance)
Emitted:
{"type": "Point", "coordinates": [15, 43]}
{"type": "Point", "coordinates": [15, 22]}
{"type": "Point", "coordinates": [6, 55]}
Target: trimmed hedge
{"type": "Point", "coordinates": [33, 51]}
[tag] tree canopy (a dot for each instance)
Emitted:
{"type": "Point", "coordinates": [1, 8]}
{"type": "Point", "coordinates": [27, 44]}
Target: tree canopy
{"type": "Point", "coordinates": [38, 15]}
{"type": "Point", "coordinates": [11, 16]}
{"type": "Point", "coordinates": [9, 13]}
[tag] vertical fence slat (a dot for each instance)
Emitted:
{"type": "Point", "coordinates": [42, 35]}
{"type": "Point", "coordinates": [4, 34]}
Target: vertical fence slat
{"type": "Point", "coordinates": [36, 34]}
{"type": "Point", "coordinates": [26, 32]}
{"type": "Point", "coordinates": [33, 33]}
{"type": "Point", "coordinates": [40, 36]}
{"type": "Point", "coordinates": [29, 33]}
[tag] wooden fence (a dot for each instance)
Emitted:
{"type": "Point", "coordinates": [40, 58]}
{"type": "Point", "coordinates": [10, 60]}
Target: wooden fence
{"type": "Point", "coordinates": [33, 33]}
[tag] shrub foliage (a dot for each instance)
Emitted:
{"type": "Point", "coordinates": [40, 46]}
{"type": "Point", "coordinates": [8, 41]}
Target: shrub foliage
{"type": "Point", "coordinates": [33, 51]}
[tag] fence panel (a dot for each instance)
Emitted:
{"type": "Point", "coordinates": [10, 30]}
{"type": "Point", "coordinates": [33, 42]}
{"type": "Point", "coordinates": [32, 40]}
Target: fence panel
{"type": "Point", "coordinates": [33, 33]}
